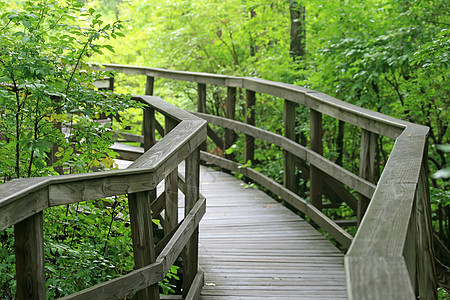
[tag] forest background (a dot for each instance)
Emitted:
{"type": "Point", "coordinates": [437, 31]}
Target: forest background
{"type": "Point", "coordinates": [390, 56]}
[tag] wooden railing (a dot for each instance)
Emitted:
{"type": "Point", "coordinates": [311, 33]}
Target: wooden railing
{"type": "Point", "coordinates": [22, 202]}
{"type": "Point", "coordinates": [391, 256]}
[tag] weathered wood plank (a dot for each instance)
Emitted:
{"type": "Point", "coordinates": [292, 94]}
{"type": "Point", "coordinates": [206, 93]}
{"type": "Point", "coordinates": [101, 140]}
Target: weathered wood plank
{"type": "Point", "coordinates": [123, 286]}
{"type": "Point", "coordinates": [262, 250]}
{"type": "Point", "coordinates": [171, 189]}
{"type": "Point", "coordinates": [29, 253]}
{"type": "Point", "coordinates": [190, 252]}
{"type": "Point", "coordinates": [24, 207]}
{"type": "Point", "coordinates": [293, 199]}
{"type": "Point", "coordinates": [366, 167]}
{"type": "Point", "coordinates": [377, 277]}
{"type": "Point", "coordinates": [142, 237]}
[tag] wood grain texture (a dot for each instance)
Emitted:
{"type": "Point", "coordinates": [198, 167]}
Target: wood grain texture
{"type": "Point", "coordinates": [123, 286]}
{"type": "Point", "coordinates": [29, 253]}
{"type": "Point", "coordinates": [252, 247]}
{"type": "Point", "coordinates": [366, 167]}
{"type": "Point", "coordinates": [286, 195]}
{"type": "Point", "coordinates": [142, 237]}
{"type": "Point", "coordinates": [377, 278]}
{"type": "Point", "coordinates": [171, 189]}
{"type": "Point", "coordinates": [190, 252]}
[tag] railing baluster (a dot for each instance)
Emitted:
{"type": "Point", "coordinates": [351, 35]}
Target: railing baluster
{"type": "Point", "coordinates": [201, 104]}
{"type": "Point", "coordinates": [249, 152]}
{"type": "Point", "coordinates": [29, 252]}
{"type": "Point", "coordinates": [317, 146]}
{"type": "Point", "coordinates": [149, 85]}
{"type": "Point", "coordinates": [366, 167]}
{"type": "Point", "coordinates": [425, 263]}
{"type": "Point", "coordinates": [171, 189]}
{"type": "Point", "coordinates": [142, 236]}
{"type": "Point", "coordinates": [290, 180]}
{"type": "Point", "coordinates": [148, 125]}
{"type": "Point", "coordinates": [231, 114]}
{"type": "Point", "coordinates": [190, 253]}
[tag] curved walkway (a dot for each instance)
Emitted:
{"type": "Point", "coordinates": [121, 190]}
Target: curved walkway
{"type": "Point", "coordinates": [252, 247]}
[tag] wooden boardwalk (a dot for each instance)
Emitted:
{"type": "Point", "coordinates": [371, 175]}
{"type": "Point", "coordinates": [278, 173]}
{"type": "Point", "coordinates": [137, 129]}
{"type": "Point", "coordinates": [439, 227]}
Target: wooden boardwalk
{"type": "Point", "coordinates": [252, 247]}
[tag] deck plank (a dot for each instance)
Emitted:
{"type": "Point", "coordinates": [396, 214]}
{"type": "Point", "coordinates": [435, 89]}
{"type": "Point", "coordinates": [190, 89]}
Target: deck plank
{"type": "Point", "coordinates": [252, 247]}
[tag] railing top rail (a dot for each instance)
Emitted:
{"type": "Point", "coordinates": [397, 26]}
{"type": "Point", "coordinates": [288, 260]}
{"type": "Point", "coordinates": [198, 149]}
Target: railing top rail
{"type": "Point", "coordinates": [358, 116]}
{"type": "Point", "coordinates": [171, 150]}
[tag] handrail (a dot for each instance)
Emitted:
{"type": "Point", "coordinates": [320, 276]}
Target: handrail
{"type": "Point", "coordinates": [391, 256]}
{"type": "Point", "coordinates": [23, 200]}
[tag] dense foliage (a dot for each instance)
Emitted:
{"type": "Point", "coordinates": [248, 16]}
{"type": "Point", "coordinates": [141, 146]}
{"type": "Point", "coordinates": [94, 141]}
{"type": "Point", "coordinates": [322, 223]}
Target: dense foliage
{"type": "Point", "coordinates": [48, 109]}
{"type": "Point", "coordinates": [391, 56]}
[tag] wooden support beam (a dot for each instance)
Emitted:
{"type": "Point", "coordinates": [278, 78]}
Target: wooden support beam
{"type": "Point", "coordinates": [190, 252]}
{"type": "Point", "coordinates": [171, 189]}
{"type": "Point", "coordinates": [29, 252]}
{"type": "Point", "coordinates": [148, 125]}
{"type": "Point", "coordinates": [142, 236]}
{"type": "Point", "coordinates": [215, 138]}
{"type": "Point", "coordinates": [290, 179]}
{"type": "Point", "coordinates": [230, 135]}
{"type": "Point", "coordinates": [425, 265]}
{"type": "Point", "coordinates": [150, 85]}
{"type": "Point", "coordinates": [317, 146]}
{"type": "Point", "coordinates": [148, 128]}
{"type": "Point", "coordinates": [201, 104]}
{"type": "Point", "coordinates": [366, 167]}
{"type": "Point", "coordinates": [250, 118]}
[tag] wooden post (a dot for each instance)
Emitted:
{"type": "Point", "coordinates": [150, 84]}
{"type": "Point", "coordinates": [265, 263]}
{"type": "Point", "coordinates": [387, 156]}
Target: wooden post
{"type": "Point", "coordinates": [366, 167]}
{"type": "Point", "coordinates": [171, 189]}
{"type": "Point", "coordinates": [149, 85]}
{"type": "Point", "coordinates": [111, 83]}
{"type": "Point", "coordinates": [142, 237]}
{"type": "Point", "coordinates": [425, 263]}
{"type": "Point", "coordinates": [231, 114]}
{"type": "Point", "coordinates": [190, 252]}
{"type": "Point", "coordinates": [149, 126]}
{"type": "Point", "coordinates": [290, 179]}
{"type": "Point", "coordinates": [249, 153]}
{"type": "Point", "coordinates": [315, 186]}
{"type": "Point", "coordinates": [29, 252]}
{"type": "Point", "coordinates": [201, 105]}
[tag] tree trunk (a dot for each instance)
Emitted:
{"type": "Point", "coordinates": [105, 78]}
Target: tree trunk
{"type": "Point", "coordinates": [298, 32]}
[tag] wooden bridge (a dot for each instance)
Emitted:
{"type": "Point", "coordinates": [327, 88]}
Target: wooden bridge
{"type": "Point", "coordinates": [248, 245]}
